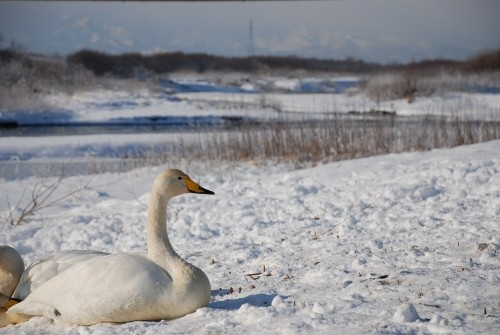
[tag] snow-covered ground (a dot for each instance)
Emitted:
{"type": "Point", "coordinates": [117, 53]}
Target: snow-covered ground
{"type": "Point", "coordinates": [430, 238]}
{"type": "Point", "coordinates": [342, 247]}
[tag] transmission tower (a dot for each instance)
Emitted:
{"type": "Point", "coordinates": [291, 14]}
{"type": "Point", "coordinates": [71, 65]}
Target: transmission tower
{"type": "Point", "coordinates": [251, 45]}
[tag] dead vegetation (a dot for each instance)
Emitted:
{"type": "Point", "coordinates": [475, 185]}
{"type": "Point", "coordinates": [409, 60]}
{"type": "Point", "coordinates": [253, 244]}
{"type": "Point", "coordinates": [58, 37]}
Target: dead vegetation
{"type": "Point", "coordinates": [45, 193]}
{"type": "Point", "coordinates": [336, 139]}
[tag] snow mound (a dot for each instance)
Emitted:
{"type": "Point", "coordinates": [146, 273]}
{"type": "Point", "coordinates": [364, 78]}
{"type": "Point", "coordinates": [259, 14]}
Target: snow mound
{"type": "Point", "coordinates": [405, 313]}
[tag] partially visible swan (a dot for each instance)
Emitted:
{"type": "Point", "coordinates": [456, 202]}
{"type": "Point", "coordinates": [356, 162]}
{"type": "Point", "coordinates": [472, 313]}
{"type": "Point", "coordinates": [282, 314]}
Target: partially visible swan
{"type": "Point", "coordinates": [11, 269]}
{"type": "Point", "coordinates": [100, 287]}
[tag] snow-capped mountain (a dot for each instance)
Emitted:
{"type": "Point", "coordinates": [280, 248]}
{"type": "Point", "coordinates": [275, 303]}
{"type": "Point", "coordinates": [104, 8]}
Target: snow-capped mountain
{"type": "Point", "coordinates": [89, 34]}
{"type": "Point", "coordinates": [70, 34]}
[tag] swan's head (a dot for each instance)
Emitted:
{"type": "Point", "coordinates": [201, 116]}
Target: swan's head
{"type": "Point", "coordinates": [174, 182]}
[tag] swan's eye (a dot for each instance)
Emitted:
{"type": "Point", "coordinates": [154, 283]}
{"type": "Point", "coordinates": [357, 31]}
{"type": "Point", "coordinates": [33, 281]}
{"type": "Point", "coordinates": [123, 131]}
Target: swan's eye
{"type": "Point", "coordinates": [180, 178]}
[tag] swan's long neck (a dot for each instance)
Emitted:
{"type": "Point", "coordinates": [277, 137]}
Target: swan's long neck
{"type": "Point", "coordinates": [160, 249]}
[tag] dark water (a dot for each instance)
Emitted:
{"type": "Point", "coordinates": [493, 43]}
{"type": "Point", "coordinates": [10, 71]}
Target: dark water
{"type": "Point", "coordinates": [225, 123]}
{"type": "Point", "coordinates": [88, 130]}
{"type": "Point", "coordinates": [150, 126]}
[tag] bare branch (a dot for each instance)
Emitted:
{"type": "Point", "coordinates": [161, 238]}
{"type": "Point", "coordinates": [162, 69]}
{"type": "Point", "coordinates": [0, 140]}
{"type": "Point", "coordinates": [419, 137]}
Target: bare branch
{"type": "Point", "coordinates": [42, 197]}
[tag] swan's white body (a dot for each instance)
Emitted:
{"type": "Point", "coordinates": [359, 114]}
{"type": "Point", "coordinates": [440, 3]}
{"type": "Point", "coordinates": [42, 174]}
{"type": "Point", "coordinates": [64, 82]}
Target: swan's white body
{"type": "Point", "coordinates": [11, 269]}
{"type": "Point", "coordinates": [85, 288]}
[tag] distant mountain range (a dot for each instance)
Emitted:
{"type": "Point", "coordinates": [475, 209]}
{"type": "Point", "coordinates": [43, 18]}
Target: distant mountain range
{"type": "Point", "coordinates": [68, 36]}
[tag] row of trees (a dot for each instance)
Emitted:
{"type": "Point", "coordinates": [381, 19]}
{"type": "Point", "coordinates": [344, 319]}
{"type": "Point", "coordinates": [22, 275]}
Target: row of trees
{"type": "Point", "coordinates": [129, 64]}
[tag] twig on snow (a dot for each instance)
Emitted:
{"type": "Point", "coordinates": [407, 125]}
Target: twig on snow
{"type": "Point", "coordinates": [317, 236]}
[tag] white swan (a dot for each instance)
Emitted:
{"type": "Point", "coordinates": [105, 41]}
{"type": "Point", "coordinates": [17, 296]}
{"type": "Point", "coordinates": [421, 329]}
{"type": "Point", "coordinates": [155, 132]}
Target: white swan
{"type": "Point", "coordinates": [11, 269]}
{"type": "Point", "coordinates": [100, 287]}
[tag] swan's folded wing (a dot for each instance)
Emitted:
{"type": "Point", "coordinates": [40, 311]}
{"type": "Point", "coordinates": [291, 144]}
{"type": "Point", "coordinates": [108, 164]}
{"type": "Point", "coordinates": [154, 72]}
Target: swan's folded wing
{"type": "Point", "coordinates": [45, 269]}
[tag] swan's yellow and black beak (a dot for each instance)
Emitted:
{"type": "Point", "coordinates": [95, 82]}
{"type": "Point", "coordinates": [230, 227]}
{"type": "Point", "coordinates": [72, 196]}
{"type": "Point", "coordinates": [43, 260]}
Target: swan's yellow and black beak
{"type": "Point", "coordinates": [195, 188]}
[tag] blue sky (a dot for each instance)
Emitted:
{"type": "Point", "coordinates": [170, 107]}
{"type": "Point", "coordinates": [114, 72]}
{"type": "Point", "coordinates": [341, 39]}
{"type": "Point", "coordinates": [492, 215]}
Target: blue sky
{"type": "Point", "coordinates": [373, 30]}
